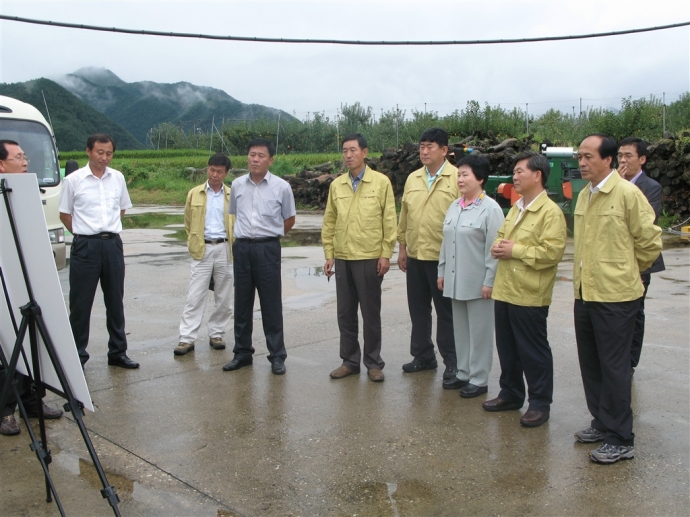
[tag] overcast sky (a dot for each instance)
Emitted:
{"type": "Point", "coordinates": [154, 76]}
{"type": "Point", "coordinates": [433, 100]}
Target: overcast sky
{"type": "Point", "coordinates": [305, 78]}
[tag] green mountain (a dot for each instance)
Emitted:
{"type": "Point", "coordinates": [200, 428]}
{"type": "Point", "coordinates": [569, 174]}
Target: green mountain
{"type": "Point", "coordinates": [73, 120]}
{"type": "Point", "coordinates": [140, 106]}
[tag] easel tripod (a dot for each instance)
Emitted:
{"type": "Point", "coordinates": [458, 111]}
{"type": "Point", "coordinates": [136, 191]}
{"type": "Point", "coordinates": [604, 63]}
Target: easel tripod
{"type": "Point", "coordinates": [32, 320]}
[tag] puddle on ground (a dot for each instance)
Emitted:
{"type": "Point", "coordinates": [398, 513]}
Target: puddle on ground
{"type": "Point", "coordinates": [175, 223]}
{"type": "Point", "coordinates": [395, 499]}
{"type": "Point", "coordinates": [315, 285]}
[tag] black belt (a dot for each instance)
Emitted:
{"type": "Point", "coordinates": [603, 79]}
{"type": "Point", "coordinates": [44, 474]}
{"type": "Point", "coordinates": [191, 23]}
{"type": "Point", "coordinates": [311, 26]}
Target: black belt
{"type": "Point", "coordinates": [102, 235]}
{"type": "Point", "coordinates": [257, 241]}
{"type": "Point", "coordinates": [215, 241]}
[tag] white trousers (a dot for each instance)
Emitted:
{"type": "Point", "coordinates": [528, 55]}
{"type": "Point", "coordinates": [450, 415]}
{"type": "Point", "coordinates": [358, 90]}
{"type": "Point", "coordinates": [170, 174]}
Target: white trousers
{"type": "Point", "coordinates": [216, 262]}
{"type": "Point", "coordinates": [473, 326]}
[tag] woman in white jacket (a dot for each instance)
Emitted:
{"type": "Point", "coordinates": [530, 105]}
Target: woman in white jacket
{"type": "Point", "coordinates": [466, 273]}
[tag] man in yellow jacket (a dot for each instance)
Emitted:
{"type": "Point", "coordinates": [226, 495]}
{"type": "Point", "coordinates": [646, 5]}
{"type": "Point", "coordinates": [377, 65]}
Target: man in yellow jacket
{"type": "Point", "coordinates": [529, 246]}
{"type": "Point", "coordinates": [358, 238]}
{"type": "Point", "coordinates": [615, 239]}
{"type": "Point", "coordinates": [209, 237]}
{"type": "Point", "coordinates": [428, 193]}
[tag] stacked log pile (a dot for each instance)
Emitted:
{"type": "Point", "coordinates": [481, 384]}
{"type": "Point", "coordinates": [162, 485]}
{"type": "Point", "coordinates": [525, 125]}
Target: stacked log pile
{"type": "Point", "coordinates": [669, 164]}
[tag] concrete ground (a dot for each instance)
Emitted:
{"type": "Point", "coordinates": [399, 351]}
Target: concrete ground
{"type": "Point", "coordinates": [181, 437]}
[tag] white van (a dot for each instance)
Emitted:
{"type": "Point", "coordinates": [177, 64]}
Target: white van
{"type": "Point", "coordinates": [25, 125]}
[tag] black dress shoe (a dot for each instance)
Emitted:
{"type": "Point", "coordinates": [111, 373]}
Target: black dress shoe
{"type": "Point", "coordinates": [236, 364]}
{"type": "Point", "coordinates": [123, 362]}
{"type": "Point", "coordinates": [48, 413]}
{"type": "Point", "coordinates": [418, 366]}
{"type": "Point", "coordinates": [454, 384]}
{"type": "Point", "coordinates": [450, 373]}
{"type": "Point", "coordinates": [471, 391]}
{"type": "Point", "coordinates": [534, 418]}
{"type": "Point", "coordinates": [498, 404]}
{"type": "Point", "coordinates": [278, 366]}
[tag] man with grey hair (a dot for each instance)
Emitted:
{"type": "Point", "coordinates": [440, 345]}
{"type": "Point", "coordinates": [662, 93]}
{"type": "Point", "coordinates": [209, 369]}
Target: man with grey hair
{"type": "Point", "coordinates": [529, 246]}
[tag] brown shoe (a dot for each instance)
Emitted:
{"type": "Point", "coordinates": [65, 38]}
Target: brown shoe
{"type": "Point", "coordinates": [498, 404]}
{"type": "Point", "coordinates": [534, 418]}
{"type": "Point", "coordinates": [375, 375]}
{"type": "Point", "coordinates": [183, 348]}
{"type": "Point", "coordinates": [342, 371]}
{"type": "Point", "coordinates": [9, 426]}
{"type": "Point", "coordinates": [217, 343]}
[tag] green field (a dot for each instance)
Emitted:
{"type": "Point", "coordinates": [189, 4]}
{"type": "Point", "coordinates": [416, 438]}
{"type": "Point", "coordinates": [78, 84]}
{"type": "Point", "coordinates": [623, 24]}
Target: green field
{"type": "Point", "coordinates": [162, 177]}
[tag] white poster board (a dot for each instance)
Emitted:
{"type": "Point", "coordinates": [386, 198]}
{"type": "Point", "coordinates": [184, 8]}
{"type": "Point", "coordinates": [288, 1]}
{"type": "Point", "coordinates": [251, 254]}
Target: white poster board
{"type": "Point", "coordinates": [32, 232]}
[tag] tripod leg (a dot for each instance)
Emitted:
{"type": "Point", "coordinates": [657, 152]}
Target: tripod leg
{"type": "Point", "coordinates": [39, 393]}
{"type": "Point", "coordinates": [108, 492]}
{"type": "Point", "coordinates": [42, 454]}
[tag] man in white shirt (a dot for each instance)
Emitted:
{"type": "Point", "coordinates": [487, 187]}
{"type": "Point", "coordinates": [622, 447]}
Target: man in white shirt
{"type": "Point", "coordinates": [93, 201]}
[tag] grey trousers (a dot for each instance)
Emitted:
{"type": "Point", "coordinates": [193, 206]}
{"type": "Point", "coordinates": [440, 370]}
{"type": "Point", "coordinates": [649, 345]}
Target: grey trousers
{"type": "Point", "coordinates": [473, 325]}
{"type": "Point", "coordinates": [357, 284]}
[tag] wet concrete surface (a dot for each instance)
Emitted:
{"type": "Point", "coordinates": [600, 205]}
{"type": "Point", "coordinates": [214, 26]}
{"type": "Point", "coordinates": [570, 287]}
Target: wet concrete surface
{"type": "Point", "coordinates": [181, 437]}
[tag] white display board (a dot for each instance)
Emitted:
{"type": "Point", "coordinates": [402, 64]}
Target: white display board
{"type": "Point", "coordinates": [27, 211]}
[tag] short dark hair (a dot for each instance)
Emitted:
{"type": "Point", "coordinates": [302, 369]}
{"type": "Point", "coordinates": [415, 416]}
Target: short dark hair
{"type": "Point", "coordinates": [361, 141]}
{"type": "Point", "coordinates": [608, 148]}
{"type": "Point", "coordinates": [535, 162]}
{"type": "Point", "coordinates": [435, 135]}
{"type": "Point", "coordinates": [100, 138]}
{"type": "Point", "coordinates": [220, 159]}
{"type": "Point", "coordinates": [262, 142]}
{"type": "Point", "coordinates": [639, 144]}
{"type": "Point", "coordinates": [3, 150]}
{"type": "Point", "coordinates": [478, 164]}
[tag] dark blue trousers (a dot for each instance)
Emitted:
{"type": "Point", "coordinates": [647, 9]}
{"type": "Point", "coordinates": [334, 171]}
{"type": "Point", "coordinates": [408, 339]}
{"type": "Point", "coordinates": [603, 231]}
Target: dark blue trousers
{"type": "Point", "coordinates": [422, 288]}
{"type": "Point", "coordinates": [257, 269]}
{"type": "Point", "coordinates": [93, 260]}
{"type": "Point", "coordinates": [638, 336]}
{"type": "Point", "coordinates": [523, 349]}
{"type": "Point", "coordinates": [604, 334]}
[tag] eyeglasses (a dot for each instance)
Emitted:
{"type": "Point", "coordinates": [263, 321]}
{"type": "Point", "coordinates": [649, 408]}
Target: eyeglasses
{"type": "Point", "coordinates": [21, 158]}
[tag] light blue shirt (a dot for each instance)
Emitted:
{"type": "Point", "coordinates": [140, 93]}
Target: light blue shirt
{"type": "Point", "coordinates": [357, 179]}
{"type": "Point", "coordinates": [430, 179]}
{"type": "Point", "coordinates": [261, 208]}
{"type": "Point", "coordinates": [214, 228]}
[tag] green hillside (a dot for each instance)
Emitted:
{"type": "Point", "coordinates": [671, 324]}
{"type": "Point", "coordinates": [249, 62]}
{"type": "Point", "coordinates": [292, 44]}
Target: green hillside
{"type": "Point", "coordinates": [140, 106]}
{"type": "Point", "coordinates": [73, 120]}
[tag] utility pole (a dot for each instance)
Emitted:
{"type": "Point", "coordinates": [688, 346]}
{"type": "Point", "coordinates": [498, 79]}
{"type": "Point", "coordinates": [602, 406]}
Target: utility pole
{"type": "Point", "coordinates": [527, 116]}
{"type": "Point", "coordinates": [278, 134]}
{"type": "Point", "coordinates": [397, 121]}
{"type": "Point", "coordinates": [580, 107]}
{"type": "Point", "coordinates": [213, 124]}
{"type": "Point", "coordinates": [664, 116]}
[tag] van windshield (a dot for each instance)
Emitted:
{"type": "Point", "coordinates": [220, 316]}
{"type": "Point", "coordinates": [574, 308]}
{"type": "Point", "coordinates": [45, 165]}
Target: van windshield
{"type": "Point", "coordinates": [37, 144]}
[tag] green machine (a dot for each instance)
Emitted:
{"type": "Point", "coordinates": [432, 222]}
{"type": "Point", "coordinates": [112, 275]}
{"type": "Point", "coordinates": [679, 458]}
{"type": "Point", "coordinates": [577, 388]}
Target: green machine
{"type": "Point", "coordinates": [563, 186]}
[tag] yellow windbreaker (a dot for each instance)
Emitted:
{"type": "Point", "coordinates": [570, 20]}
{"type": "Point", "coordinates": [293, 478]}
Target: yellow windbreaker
{"type": "Point", "coordinates": [421, 218]}
{"type": "Point", "coordinates": [195, 220]}
{"type": "Point", "coordinates": [615, 239]}
{"type": "Point", "coordinates": [528, 278]}
{"type": "Point", "coordinates": [359, 225]}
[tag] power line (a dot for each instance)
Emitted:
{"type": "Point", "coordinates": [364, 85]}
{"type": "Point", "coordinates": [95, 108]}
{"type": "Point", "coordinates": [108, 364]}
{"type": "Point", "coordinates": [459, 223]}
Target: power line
{"type": "Point", "coordinates": [335, 41]}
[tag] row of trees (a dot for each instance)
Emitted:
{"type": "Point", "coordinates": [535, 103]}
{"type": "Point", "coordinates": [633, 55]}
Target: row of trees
{"type": "Point", "coordinates": [645, 118]}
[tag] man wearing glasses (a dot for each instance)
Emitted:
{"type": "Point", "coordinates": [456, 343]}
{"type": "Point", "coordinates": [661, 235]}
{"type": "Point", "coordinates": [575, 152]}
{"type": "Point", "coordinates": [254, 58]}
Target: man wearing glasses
{"type": "Point", "coordinates": [13, 160]}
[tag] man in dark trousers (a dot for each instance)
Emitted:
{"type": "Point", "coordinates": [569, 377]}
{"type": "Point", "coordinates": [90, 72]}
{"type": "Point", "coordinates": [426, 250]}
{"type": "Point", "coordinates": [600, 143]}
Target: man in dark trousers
{"type": "Point", "coordinates": [14, 161]}
{"type": "Point", "coordinates": [632, 156]}
{"type": "Point", "coordinates": [615, 239]}
{"type": "Point", "coordinates": [92, 204]}
{"type": "Point", "coordinates": [265, 211]}
{"type": "Point", "coordinates": [428, 193]}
